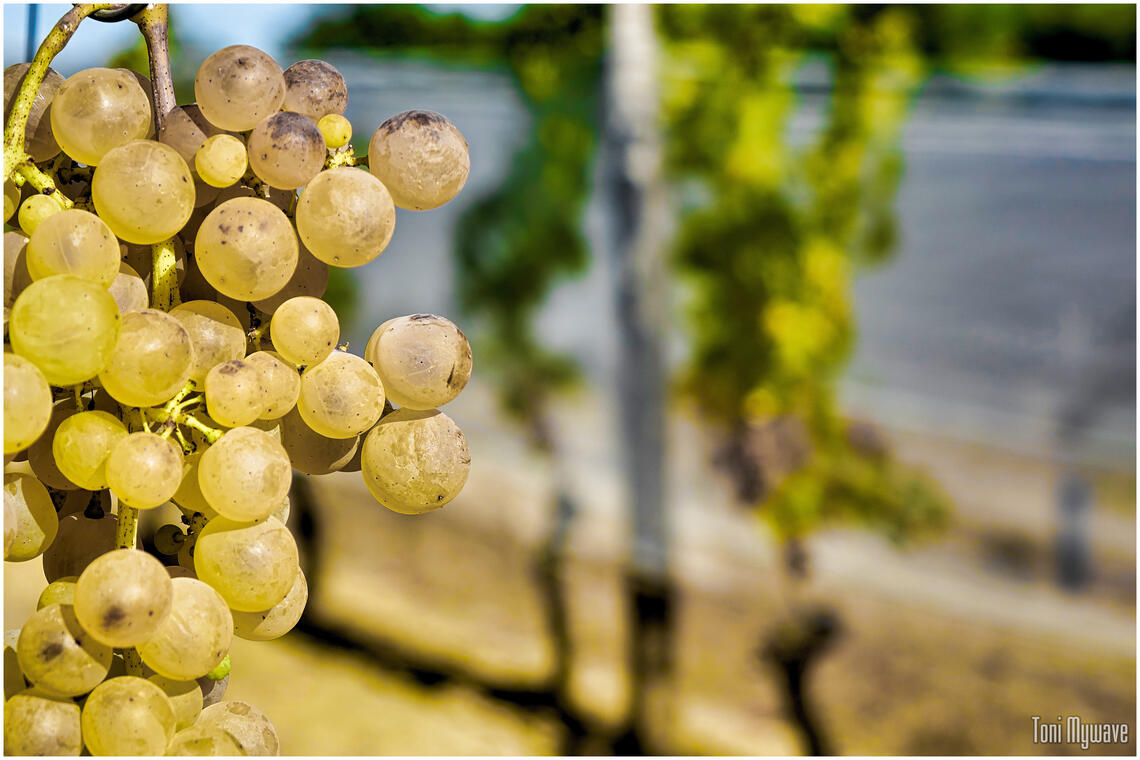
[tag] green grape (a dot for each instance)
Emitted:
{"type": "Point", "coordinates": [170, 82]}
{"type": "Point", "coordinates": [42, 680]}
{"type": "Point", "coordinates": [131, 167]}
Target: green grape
{"type": "Point", "coordinates": [143, 191]}
{"type": "Point", "coordinates": [57, 654]}
{"type": "Point", "coordinates": [245, 474]}
{"type": "Point", "coordinates": [38, 723]}
{"type": "Point", "coordinates": [123, 597]}
{"type": "Point", "coordinates": [335, 129]}
{"type": "Point", "coordinates": [341, 397]}
{"type": "Point", "coordinates": [82, 444]}
{"type": "Point", "coordinates": [152, 359]}
{"type": "Point", "coordinates": [185, 697]}
{"type": "Point", "coordinates": [310, 278]}
{"type": "Point", "coordinates": [127, 715]}
{"type": "Point", "coordinates": [281, 382]}
{"type": "Point", "coordinates": [421, 158]}
{"type": "Point", "coordinates": [98, 110]}
{"type": "Point", "coordinates": [35, 210]}
{"type": "Point", "coordinates": [168, 539]}
{"type": "Point", "coordinates": [254, 733]}
{"type": "Point", "coordinates": [40, 456]}
{"type": "Point", "coordinates": [215, 333]}
{"type": "Point", "coordinates": [345, 217]}
{"type": "Point", "coordinates": [415, 461]}
{"type": "Point", "coordinates": [312, 453]}
{"type": "Point", "coordinates": [238, 86]}
{"type": "Point", "coordinates": [36, 522]}
{"type": "Point", "coordinates": [314, 88]}
{"type": "Point", "coordinates": [204, 741]}
{"type": "Point", "coordinates": [286, 150]}
{"type": "Point", "coordinates": [11, 199]}
{"type": "Point", "coordinates": [144, 470]}
{"type": "Point", "coordinates": [27, 403]}
{"type": "Point", "coordinates": [74, 242]}
{"type": "Point", "coordinates": [221, 160]}
{"type": "Point", "coordinates": [189, 493]}
{"type": "Point", "coordinates": [252, 565]}
{"type": "Point", "coordinates": [304, 330]}
{"type": "Point", "coordinates": [246, 249]}
{"type": "Point", "coordinates": [129, 290]}
{"type": "Point", "coordinates": [279, 619]}
{"type": "Point", "coordinates": [39, 142]}
{"type": "Point", "coordinates": [423, 360]}
{"type": "Point", "coordinates": [235, 393]}
{"type": "Point", "coordinates": [14, 681]}
{"type": "Point", "coordinates": [195, 637]}
{"type": "Point", "coordinates": [61, 591]}
{"type": "Point", "coordinates": [79, 541]}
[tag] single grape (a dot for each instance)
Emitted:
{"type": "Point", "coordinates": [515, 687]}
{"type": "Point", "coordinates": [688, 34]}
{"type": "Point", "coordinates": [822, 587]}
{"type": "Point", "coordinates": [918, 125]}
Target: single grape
{"type": "Point", "coordinates": [148, 90]}
{"type": "Point", "coordinates": [185, 697]}
{"type": "Point", "coordinates": [143, 191]}
{"type": "Point", "coordinates": [152, 359]}
{"type": "Point", "coordinates": [122, 597]}
{"type": "Point", "coordinates": [194, 637]}
{"type": "Point", "coordinates": [205, 741]}
{"type": "Point", "coordinates": [415, 461]}
{"type": "Point", "coordinates": [27, 403]}
{"type": "Point", "coordinates": [235, 393]}
{"type": "Point", "coordinates": [314, 88]}
{"type": "Point", "coordinates": [341, 397]}
{"type": "Point", "coordinates": [279, 619]}
{"type": "Point", "coordinates": [221, 160]}
{"type": "Point", "coordinates": [310, 278]}
{"type": "Point", "coordinates": [129, 290]}
{"type": "Point", "coordinates": [213, 690]}
{"type": "Point", "coordinates": [304, 330]}
{"type": "Point", "coordinates": [253, 731]}
{"type": "Point", "coordinates": [238, 86]}
{"type": "Point", "coordinates": [39, 142]}
{"type": "Point", "coordinates": [252, 565]}
{"type": "Point", "coordinates": [35, 519]}
{"type": "Point", "coordinates": [281, 381]}
{"type": "Point", "coordinates": [168, 539]}
{"type": "Point", "coordinates": [215, 333]}
{"type": "Point", "coordinates": [182, 133]}
{"type": "Point", "coordinates": [421, 158]}
{"type": "Point", "coordinates": [245, 474]}
{"type": "Point", "coordinates": [38, 723]}
{"type": "Point", "coordinates": [35, 210]}
{"type": "Point", "coordinates": [57, 654]}
{"type": "Point", "coordinates": [423, 360]}
{"type": "Point", "coordinates": [312, 453]}
{"type": "Point", "coordinates": [82, 444]}
{"type": "Point", "coordinates": [61, 591]}
{"type": "Point", "coordinates": [144, 470]}
{"type": "Point", "coordinates": [98, 110]}
{"type": "Point", "coordinates": [189, 493]}
{"type": "Point", "coordinates": [79, 541]}
{"type": "Point", "coordinates": [246, 249]}
{"type": "Point", "coordinates": [286, 150]}
{"type": "Point", "coordinates": [74, 242]}
{"type": "Point", "coordinates": [128, 715]}
{"type": "Point", "coordinates": [336, 130]}
{"type": "Point", "coordinates": [345, 217]}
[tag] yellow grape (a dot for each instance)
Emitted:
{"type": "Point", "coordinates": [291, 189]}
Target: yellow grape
{"type": "Point", "coordinates": [345, 217]}
{"type": "Point", "coordinates": [11, 199]}
{"type": "Point", "coordinates": [246, 249]}
{"type": "Point", "coordinates": [33, 517]}
{"type": "Point", "coordinates": [279, 619]}
{"type": "Point", "coordinates": [39, 142]}
{"type": "Point", "coordinates": [189, 493]}
{"type": "Point", "coordinates": [185, 697]}
{"type": "Point", "coordinates": [423, 360]}
{"type": "Point", "coordinates": [97, 110]}
{"type": "Point", "coordinates": [304, 330]}
{"type": "Point", "coordinates": [122, 597]}
{"type": "Point", "coordinates": [252, 565]}
{"type": "Point", "coordinates": [74, 242]}
{"type": "Point", "coordinates": [143, 191]}
{"type": "Point", "coordinates": [310, 278]}
{"type": "Point", "coordinates": [215, 333]}
{"type": "Point", "coordinates": [286, 150]}
{"type": "Point", "coordinates": [238, 86]}
{"type": "Point", "coordinates": [221, 160]}
{"type": "Point", "coordinates": [421, 158]}
{"type": "Point", "coordinates": [281, 381]}
{"type": "Point", "coordinates": [341, 397]}
{"type": "Point", "coordinates": [235, 393]}
{"type": "Point", "coordinates": [253, 731]}
{"type": "Point", "coordinates": [245, 474]}
{"type": "Point", "coordinates": [144, 470]}
{"type": "Point", "coordinates": [424, 443]}
{"type": "Point", "coordinates": [129, 289]}
{"type": "Point", "coordinates": [57, 654]}
{"type": "Point", "coordinates": [35, 210]}
{"type": "Point", "coordinates": [27, 403]}
{"type": "Point", "coordinates": [39, 723]}
{"type": "Point", "coordinates": [336, 130]}
{"type": "Point", "coordinates": [152, 359]}
{"type": "Point", "coordinates": [194, 637]}
{"type": "Point", "coordinates": [82, 444]}
{"type": "Point", "coordinates": [314, 88]}
{"type": "Point", "coordinates": [127, 715]}
{"type": "Point", "coordinates": [60, 591]}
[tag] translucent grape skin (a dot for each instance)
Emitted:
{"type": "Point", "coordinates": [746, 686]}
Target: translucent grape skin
{"type": "Point", "coordinates": [282, 383]}
{"type": "Point", "coordinates": [185, 697]}
{"type": "Point", "coordinates": [310, 278]}
{"type": "Point", "coordinates": [127, 715]}
{"type": "Point", "coordinates": [194, 637]}
{"type": "Point", "coordinates": [82, 444]}
{"type": "Point", "coordinates": [252, 565]}
{"type": "Point", "coordinates": [254, 733]}
{"type": "Point", "coordinates": [286, 150]}
{"type": "Point", "coordinates": [122, 597]}
{"type": "Point", "coordinates": [423, 360]}
{"type": "Point", "coordinates": [345, 217]}
{"type": "Point", "coordinates": [58, 655]}
{"type": "Point", "coordinates": [279, 619]}
{"type": "Point", "coordinates": [144, 470]}
{"type": "Point", "coordinates": [35, 210]}
{"type": "Point", "coordinates": [39, 142]}
{"type": "Point", "coordinates": [341, 397]}
{"type": "Point", "coordinates": [97, 110]}
{"type": "Point", "coordinates": [336, 130]}
{"type": "Point", "coordinates": [221, 160]}
{"type": "Point", "coordinates": [40, 456]}
{"type": "Point", "coordinates": [215, 333]}
{"type": "Point", "coordinates": [304, 330]}
{"type": "Point", "coordinates": [314, 88]}
{"type": "Point", "coordinates": [205, 741]}
{"type": "Point", "coordinates": [235, 393]}
{"type": "Point", "coordinates": [238, 86]}
{"type": "Point", "coordinates": [421, 158]}
{"type": "Point", "coordinates": [143, 191]}
{"type": "Point", "coordinates": [312, 453]}
{"type": "Point", "coordinates": [35, 519]}
{"type": "Point", "coordinates": [27, 403]}
{"type": "Point", "coordinates": [152, 360]}
{"type": "Point", "coordinates": [246, 249]}
{"type": "Point", "coordinates": [245, 474]}
{"type": "Point", "coordinates": [38, 723]}
{"type": "Point", "coordinates": [426, 444]}
{"type": "Point", "coordinates": [74, 242]}
{"type": "Point", "coordinates": [129, 289]}
{"type": "Point", "coordinates": [189, 493]}
{"type": "Point", "coordinates": [11, 199]}
{"type": "Point", "coordinates": [61, 591]}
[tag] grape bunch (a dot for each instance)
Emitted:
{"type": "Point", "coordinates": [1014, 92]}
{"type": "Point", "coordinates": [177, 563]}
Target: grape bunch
{"type": "Point", "coordinates": [166, 343]}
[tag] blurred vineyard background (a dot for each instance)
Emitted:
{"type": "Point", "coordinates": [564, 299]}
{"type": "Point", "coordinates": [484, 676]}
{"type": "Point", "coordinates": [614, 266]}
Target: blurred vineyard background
{"type": "Point", "coordinates": [846, 293]}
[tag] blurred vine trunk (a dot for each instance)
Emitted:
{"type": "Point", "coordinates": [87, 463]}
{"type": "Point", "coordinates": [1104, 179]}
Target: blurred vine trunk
{"type": "Point", "coordinates": [635, 190]}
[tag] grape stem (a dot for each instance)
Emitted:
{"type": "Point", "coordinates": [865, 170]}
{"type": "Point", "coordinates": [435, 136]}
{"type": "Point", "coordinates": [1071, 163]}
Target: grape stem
{"type": "Point", "coordinates": [164, 276]}
{"type": "Point", "coordinates": [192, 422]}
{"type": "Point", "coordinates": [154, 23]}
{"type": "Point", "coordinates": [127, 530]}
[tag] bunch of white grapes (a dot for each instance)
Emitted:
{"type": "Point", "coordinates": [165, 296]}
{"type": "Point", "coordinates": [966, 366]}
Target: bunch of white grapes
{"type": "Point", "coordinates": [119, 396]}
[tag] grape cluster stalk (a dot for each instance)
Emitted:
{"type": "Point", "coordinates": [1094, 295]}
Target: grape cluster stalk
{"type": "Point", "coordinates": [166, 343]}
